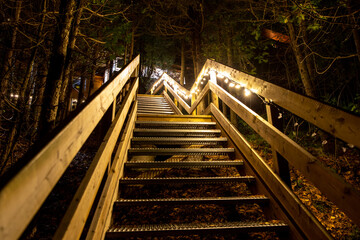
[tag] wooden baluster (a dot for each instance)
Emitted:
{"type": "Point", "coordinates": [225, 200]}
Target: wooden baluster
{"type": "Point", "coordinates": [233, 117]}
{"type": "Point", "coordinates": [193, 99]}
{"type": "Point", "coordinates": [280, 164]}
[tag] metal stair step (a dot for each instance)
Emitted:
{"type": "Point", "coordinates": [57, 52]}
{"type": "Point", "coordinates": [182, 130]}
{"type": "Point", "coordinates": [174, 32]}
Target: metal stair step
{"type": "Point", "coordinates": [178, 151]}
{"type": "Point", "coordinates": [193, 228]}
{"type": "Point", "coordinates": [154, 107]}
{"type": "Point", "coordinates": [155, 112]}
{"type": "Point", "coordinates": [153, 102]}
{"type": "Point", "coordinates": [163, 124]}
{"type": "Point", "coordinates": [176, 132]}
{"type": "Point", "coordinates": [187, 180]}
{"type": "Point", "coordinates": [178, 141]}
{"type": "Point", "coordinates": [183, 164]}
{"type": "Point", "coordinates": [190, 201]}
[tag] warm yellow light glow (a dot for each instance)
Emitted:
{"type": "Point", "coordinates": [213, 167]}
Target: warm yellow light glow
{"type": "Point", "coordinates": [231, 84]}
{"type": "Point", "coordinates": [237, 86]}
{"type": "Point", "coordinates": [201, 82]}
{"type": "Point", "coordinates": [226, 80]}
{"type": "Point", "coordinates": [219, 75]}
{"type": "Point", "coordinates": [253, 90]}
{"type": "Point", "coordinates": [247, 92]}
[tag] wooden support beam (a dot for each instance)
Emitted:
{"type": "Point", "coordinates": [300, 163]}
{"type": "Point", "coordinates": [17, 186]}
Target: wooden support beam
{"type": "Point", "coordinates": [158, 88]}
{"type": "Point", "coordinates": [301, 216]}
{"type": "Point", "coordinates": [233, 117]}
{"type": "Point", "coordinates": [173, 106]}
{"type": "Point", "coordinates": [345, 196]}
{"type": "Point", "coordinates": [180, 100]}
{"type": "Point", "coordinates": [280, 164]}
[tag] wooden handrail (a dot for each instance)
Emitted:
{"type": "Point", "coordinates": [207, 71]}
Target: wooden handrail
{"type": "Point", "coordinates": [337, 122]}
{"type": "Point", "coordinates": [337, 190]}
{"type": "Point", "coordinates": [75, 217]}
{"type": "Point", "coordinates": [166, 78]}
{"type": "Point", "coordinates": [102, 216]}
{"type": "Point", "coordinates": [310, 226]}
{"type": "Point", "coordinates": [22, 197]}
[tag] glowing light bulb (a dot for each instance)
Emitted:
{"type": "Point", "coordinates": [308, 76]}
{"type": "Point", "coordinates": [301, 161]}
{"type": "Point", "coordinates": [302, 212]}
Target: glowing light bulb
{"type": "Point", "coordinates": [219, 75]}
{"type": "Point", "coordinates": [226, 80]}
{"type": "Point", "coordinates": [231, 84]}
{"type": "Point", "coordinates": [201, 82]}
{"type": "Point", "coordinates": [237, 86]}
{"type": "Point", "coordinates": [247, 92]}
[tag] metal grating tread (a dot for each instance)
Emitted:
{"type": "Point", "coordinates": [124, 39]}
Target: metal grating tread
{"type": "Point", "coordinates": [194, 228]}
{"type": "Point", "coordinates": [184, 164]}
{"type": "Point", "coordinates": [176, 132]}
{"type": "Point", "coordinates": [179, 140]}
{"type": "Point", "coordinates": [187, 180]}
{"type": "Point", "coordinates": [179, 151]}
{"type": "Point", "coordinates": [174, 124]}
{"type": "Point", "coordinates": [184, 201]}
{"type": "Point", "coordinates": [155, 112]}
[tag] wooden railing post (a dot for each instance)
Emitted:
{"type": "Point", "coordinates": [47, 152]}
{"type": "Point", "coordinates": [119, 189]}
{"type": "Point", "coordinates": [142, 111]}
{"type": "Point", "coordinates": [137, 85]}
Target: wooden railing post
{"type": "Point", "coordinates": [201, 107]}
{"type": "Point", "coordinates": [214, 98]}
{"type": "Point", "coordinates": [280, 164]}
{"type": "Point", "coordinates": [233, 117]}
{"type": "Point", "coordinates": [193, 99]}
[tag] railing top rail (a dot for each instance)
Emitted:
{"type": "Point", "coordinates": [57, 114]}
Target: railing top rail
{"type": "Point", "coordinates": [174, 84]}
{"type": "Point", "coordinates": [337, 122]}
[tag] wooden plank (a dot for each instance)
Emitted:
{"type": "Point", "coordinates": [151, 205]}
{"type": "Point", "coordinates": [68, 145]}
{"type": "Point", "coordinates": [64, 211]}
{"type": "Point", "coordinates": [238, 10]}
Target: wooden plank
{"type": "Point", "coordinates": [173, 106]}
{"type": "Point", "coordinates": [173, 118]}
{"type": "Point", "coordinates": [200, 97]}
{"type": "Point", "coordinates": [149, 95]}
{"type": "Point", "coordinates": [339, 123]}
{"type": "Point", "coordinates": [170, 80]}
{"type": "Point", "coordinates": [337, 190]}
{"type": "Point", "coordinates": [180, 100]}
{"type": "Point", "coordinates": [280, 164]}
{"type": "Point", "coordinates": [102, 214]}
{"type": "Point", "coordinates": [22, 197]}
{"type": "Point", "coordinates": [76, 215]}
{"type": "Point", "coordinates": [158, 88]}
{"type": "Point", "coordinates": [297, 210]}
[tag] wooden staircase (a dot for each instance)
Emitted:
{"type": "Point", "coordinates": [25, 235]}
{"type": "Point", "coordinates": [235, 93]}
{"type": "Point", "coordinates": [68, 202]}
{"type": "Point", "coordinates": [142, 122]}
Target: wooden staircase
{"type": "Point", "coordinates": [181, 179]}
{"type": "Point", "coordinates": [154, 104]}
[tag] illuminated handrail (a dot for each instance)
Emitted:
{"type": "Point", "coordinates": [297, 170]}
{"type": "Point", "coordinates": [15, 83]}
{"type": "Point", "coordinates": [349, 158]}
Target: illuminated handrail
{"type": "Point", "coordinates": [337, 122]}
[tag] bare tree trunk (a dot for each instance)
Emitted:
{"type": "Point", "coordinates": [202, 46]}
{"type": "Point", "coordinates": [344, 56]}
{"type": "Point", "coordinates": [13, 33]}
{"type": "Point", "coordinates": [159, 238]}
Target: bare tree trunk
{"type": "Point", "coordinates": [67, 68]}
{"type": "Point", "coordinates": [125, 54]}
{"type": "Point", "coordinates": [56, 67]}
{"type": "Point", "coordinates": [309, 64]}
{"type": "Point", "coordinates": [39, 97]}
{"type": "Point", "coordinates": [132, 42]}
{"type": "Point", "coordinates": [81, 89]}
{"type": "Point", "coordinates": [8, 58]}
{"type": "Point", "coordinates": [182, 73]}
{"type": "Point", "coordinates": [196, 52]}
{"type": "Point", "coordinates": [355, 31]}
{"type": "Point", "coordinates": [229, 49]}
{"type": "Point", "coordinates": [23, 99]}
{"type": "Point", "coordinates": [305, 78]}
